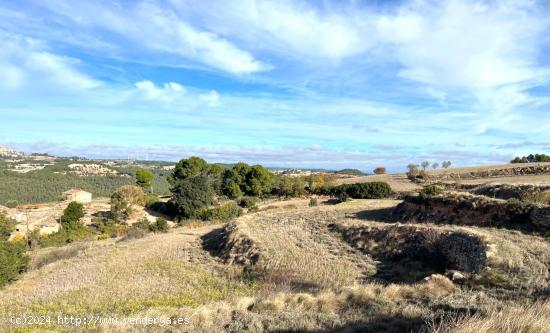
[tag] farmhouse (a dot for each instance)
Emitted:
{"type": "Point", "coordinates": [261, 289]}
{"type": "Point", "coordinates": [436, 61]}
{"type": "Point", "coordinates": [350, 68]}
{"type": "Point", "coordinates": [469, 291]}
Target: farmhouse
{"type": "Point", "coordinates": [77, 195]}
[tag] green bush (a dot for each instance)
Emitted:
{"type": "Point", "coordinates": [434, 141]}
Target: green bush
{"type": "Point", "coordinates": [142, 224]}
{"type": "Point", "coordinates": [11, 203]}
{"type": "Point", "coordinates": [247, 202]}
{"type": "Point", "coordinates": [192, 194]}
{"type": "Point", "coordinates": [430, 190]}
{"type": "Point", "coordinates": [161, 225]}
{"type": "Point", "coordinates": [223, 213]}
{"type": "Point", "coordinates": [7, 226]}
{"type": "Point", "coordinates": [13, 262]}
{"type": "Point", "coordinates": [65, 236]}
{"type": "Point", "coordinates": [72, 215]}
{"type": "Point", "coordinates": [372, 190]}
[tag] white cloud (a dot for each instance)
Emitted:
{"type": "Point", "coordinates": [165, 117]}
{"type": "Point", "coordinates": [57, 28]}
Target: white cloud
{"type": "Point", "coordinates": [288, 28]}
{"type": "Point", "coordinates": [168, 93]}
{"type": "Point", "coordinates": [161, 30]}
{"type": "Point", "coordinates": [211, 98]}
{"type": "Point", "coordinates": [465, 44]}
{"type": "Point", "coordinates": [26, 64]}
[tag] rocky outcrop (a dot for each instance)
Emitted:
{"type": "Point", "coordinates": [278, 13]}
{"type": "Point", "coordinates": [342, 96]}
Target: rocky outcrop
{"type": "Point", "coordinates": [507, 191]}
{"type": "Point", "coordinates": [233, 246]}
{"type": "Point", "coordinates": [475, 210]}
{"type": "Point", "coordinates": [441, 249]}
{"type": "Point", "coordinates": [519, 170]}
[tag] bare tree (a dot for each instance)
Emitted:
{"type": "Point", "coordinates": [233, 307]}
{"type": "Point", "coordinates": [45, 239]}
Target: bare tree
{"type": "Point", "coordinates": [425, 165]}
{"type": "Point", "coordinates": [435, 165]}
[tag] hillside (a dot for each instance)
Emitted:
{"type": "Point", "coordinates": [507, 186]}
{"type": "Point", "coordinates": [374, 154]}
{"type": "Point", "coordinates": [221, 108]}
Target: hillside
{"type": "Point", "coordinates": [283, 270]}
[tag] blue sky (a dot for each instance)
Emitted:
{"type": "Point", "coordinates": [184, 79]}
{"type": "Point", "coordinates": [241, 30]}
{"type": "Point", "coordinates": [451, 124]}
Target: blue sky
{"type": "Point", "coordinates": [328, 84]}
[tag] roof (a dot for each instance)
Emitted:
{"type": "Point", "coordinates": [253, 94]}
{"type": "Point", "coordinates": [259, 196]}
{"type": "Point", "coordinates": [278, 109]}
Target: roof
{"type": "Point", "coordinates": [74, 191]}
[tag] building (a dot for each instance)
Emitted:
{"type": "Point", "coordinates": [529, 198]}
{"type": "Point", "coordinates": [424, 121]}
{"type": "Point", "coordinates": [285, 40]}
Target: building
{"type": "Point", "coordinates": [77, 195]}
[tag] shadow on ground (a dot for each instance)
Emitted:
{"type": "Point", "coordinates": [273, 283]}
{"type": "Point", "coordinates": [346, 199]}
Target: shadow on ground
{"type": "Point", "coordinates": [385, 215]}
{"type": "Point", "coordinates": [378, 324]}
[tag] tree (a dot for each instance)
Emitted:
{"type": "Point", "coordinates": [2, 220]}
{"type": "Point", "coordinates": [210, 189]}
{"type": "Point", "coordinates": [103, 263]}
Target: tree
{"type": "Point", "coordinates": [13, 262]}
{"type": "Point", "coordinates": [425, 165]}
{"type": "Point", "coordinates": [379, 170]}
{"type": "Point", "coordinates": [446, 164]}
{"type": "Point", "coordinates": [291, 186]}
{"type": "Point", "coordinates": [144, 179]}
{"type": "Point", "coordinates": [231, 184]}
{"type": "Point", "coordinates": [72, 215]}
{"type": "Point", "coordinates": [190, 167]}
{"type": "Point", "coordinates": [259, 181]}
{"type": "Point", "coordinates": [191, 194]}
{"type": "Point", "coordinates": [435, 165]}
{"type": "Point", "coordinates": [123, 199]}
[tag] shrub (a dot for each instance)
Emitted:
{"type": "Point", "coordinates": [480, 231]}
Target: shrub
{"type": "Point", "coordinates": [7, 226]}
{"type": "Point", "coordinates": [142, 224]}
{"type": "Point", "coordinates": [13, 262]}
{"type": "Point", "coordinates": [160, 225]}
{"type": "Point", "coordinates": [341, 195]}
{"type": "Point", "coordinates": [192, 194]}
{"type": "Point", "coordinates": [247, 202]}
{"type": "Point", "coordinates": [123, 199]}
{"type": "Point", "coordinates": [144, 178]}
{"type": "Point", "coordinates": [430, 190]}
{"type": "Point", "coordinates": [379, 170]}
{"type": "Point", "coordinates": [372, 190]}
{"type": "Point", "coordinates": [223, 213]}
{"type": "Point", "coordinates": [313, 202]}
{"type": "Point", "coordinates": [134, 233]}
{"type": "Point", "coordinates": [11, 203]}
{"type": "Point", "coordinates": [72, 215]}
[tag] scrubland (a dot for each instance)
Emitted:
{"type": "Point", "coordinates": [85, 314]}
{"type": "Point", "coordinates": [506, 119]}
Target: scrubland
{"type": "Point", "coordinates": [304, 277]}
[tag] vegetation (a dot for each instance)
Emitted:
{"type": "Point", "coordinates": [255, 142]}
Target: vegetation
{"type": "Point", "coordinates": [446, 164]}
{"type": "Point", "coordinates": [291, 186]}
{"type": "Point", "coordinates": [11, 203]}
{"type": "Point", "coordinates": [144, 179]}
{"type": "Point", "coordinates": [531, 158]}
{"type": "Point", "coordinates": [70, 219]}
{"type": "Point", "coordinates": [247, 202]}
{"type": "Point", "coordinates": [13, 262]}
{"type": "Point", "coordinates": [379, 171]}
{"type": "Point", "coordinates": [352, 172]}
{"type": "Point", "coordinates": [7, 226]}
{"type": "Point", "coordinates": [123, 199]}
{"type": "Point", "coordinates": [160, 225]}
{"type": "Point", "coordinates": [46, 186]}
{"type": "Point", "coordinates": [192, 194]}
{"type": "Point", "coordinates": [429, 190]}
{"type": "Point", "coordinates": [222, 213]}
{"type": "Point", "coordinates": [372, 190]}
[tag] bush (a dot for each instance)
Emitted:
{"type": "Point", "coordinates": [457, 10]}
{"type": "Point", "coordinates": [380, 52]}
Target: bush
{"type": "Point", "coordinates": [11, 203]}
{"type": "Point", "coordinates": [7, 226]}
{"type": "Point", "coordinates": [142, 224]}
{"type": "Point", "coordinates": [372, 190]}
{"type": "Point", "coordinates": [13, 262]}
{"type": "Point", "coordinates": [313, 202]}
{"type": "Point", "coordinates": [247, 202]}
{"type": "Point", "coordinates": [379, 170]}
{"type": "Point", "coordinates": [72, 215]}
{"type": "Point", "coordinates": [161, 225]}
{"type": "Point", "coordinates": [192, 194]}
{"type": "Point", "coordinates": [123, 199]}
{"type": "Point", "coordinates": [223, 213]}
{"type": "Point", "coordinates": [430, 190]}
{"type": "Point", "coordinates": [291, 186]}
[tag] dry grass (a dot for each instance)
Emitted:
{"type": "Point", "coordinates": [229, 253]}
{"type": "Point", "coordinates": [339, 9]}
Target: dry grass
{"type": "Point", "coordinates": [528, 319]}
{"type": "Point", "coordinates": [297, 243]}
{"type": "Point", "coordinates": [111, 278]}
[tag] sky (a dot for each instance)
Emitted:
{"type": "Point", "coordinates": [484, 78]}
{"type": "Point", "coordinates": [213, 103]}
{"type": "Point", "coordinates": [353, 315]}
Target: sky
{"type": "Point", "coordinates": [310, 84]}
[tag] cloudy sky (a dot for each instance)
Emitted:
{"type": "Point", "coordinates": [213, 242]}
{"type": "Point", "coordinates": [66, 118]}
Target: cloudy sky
{"type": "Point", "coordinates": [328, 84]}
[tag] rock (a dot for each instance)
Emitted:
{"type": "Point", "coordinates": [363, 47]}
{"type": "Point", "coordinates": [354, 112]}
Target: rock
{"type": "Point", "coordinates": [455, 276]}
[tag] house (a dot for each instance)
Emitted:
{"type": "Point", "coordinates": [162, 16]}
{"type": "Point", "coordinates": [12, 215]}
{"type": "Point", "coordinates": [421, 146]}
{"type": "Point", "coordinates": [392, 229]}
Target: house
{"type": "Point", "coordinates": [77, 195]}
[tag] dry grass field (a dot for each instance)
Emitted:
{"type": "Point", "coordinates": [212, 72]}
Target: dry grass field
{"type": "Point", "coordinates": [310, 280]}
